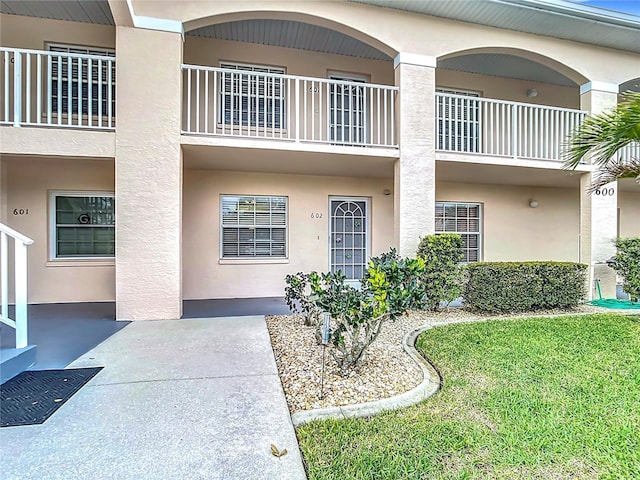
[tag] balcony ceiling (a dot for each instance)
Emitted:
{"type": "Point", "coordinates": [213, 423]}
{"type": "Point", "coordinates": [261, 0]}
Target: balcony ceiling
{"type": "Point", "coordinates": [289, 34]}
{"type": "Point", "coordinates": [509, 66]}
{"type": "Point", "coordinates": [93, 11]}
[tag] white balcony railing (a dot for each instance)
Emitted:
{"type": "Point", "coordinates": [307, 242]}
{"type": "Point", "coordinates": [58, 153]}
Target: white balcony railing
{"type": "Point", "coordinates": [52, 89]}
{"type": "Point", "coordinates": [20, 243]}
{"type": "Point", "coordinates": [500, 128]}
{"type": "Point", "coordinates": [630, 152]}
{"type": "Point", "coordinates": [259, 105]}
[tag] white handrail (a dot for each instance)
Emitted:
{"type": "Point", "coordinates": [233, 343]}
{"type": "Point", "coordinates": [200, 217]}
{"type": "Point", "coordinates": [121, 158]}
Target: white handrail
{"type": "Point", "coordinates": [57, 89]}
{"type": "Point", "coordinates": [501, 128]}
{"type": "Point", "coordinates": [21, 242]}
{"type": "Point", "coordinates": [250, 104]}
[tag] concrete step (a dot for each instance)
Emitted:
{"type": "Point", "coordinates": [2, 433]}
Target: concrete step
{"type": "Point", "coordinates": [16, 360]}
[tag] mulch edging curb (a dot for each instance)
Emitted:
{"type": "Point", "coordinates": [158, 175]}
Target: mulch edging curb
{"type": "Point", "coordinates": [428, 387]}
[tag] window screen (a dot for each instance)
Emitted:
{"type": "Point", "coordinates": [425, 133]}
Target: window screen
{"type": "Point", "coordinates": [84, 225]}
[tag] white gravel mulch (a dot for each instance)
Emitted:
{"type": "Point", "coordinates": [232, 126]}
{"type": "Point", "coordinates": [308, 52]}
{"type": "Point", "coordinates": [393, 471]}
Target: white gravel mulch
{"type": "Point", "coordinates": [386, 370]}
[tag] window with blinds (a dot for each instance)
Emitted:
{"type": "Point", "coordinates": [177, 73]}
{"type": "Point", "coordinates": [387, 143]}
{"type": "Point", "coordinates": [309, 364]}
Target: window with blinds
{"type": "Point", "coordinates": [82, 84]}
{"type": "Point", "coordinates": [83, 225]}
{"type": "Point", "coordinates": [458, 121]}
{"type": "Point", "coordinates": [463, 219]}
{"type": "Point", "coordinates": [253, 226]}
{"type": "Point", "coordinates": [252, 96]}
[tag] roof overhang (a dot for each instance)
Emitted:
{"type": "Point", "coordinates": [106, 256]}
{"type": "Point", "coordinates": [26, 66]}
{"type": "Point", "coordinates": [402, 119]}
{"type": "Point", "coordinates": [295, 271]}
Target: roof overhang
{"type": "Point", "coordinates": [552, 18]}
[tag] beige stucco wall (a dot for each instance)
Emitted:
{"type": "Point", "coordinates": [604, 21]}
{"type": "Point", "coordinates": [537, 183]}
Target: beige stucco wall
{"type": "Point", "coordinates": [205, 276]}
{"type": "Point", "coordinates": [397, 31]}
{"type": "Point", "coordinates": [629, 205]}
{"type": "Point", "coordinates": [512, 230]}
{"type": "Point", "coordinates": [28, 182]}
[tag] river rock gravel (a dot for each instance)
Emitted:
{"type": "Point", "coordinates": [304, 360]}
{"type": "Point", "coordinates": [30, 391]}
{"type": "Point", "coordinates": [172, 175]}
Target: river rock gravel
{"type": "Point", "coordinates": [386, 370]}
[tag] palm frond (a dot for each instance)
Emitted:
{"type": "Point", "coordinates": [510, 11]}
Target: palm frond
{"type": "Point", "coordinates": [616, 170]}
{"type": "Point", "coordinates": [602, 136]}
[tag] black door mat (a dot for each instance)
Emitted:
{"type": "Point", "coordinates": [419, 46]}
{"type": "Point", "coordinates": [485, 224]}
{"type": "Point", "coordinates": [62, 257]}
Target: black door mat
{"type": "Point", "coordinates": [33, 396]}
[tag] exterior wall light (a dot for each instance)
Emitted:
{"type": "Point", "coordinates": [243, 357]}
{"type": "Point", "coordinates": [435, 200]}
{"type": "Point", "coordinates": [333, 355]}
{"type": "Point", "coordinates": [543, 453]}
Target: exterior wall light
{"type": "Point", "coordinates": [533, 203]}
{"type": "Point", "coordinates": [532, 93]}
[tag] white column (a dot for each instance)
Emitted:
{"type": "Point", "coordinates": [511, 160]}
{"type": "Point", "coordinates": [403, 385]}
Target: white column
{"type": "Point", "coordinates": [415, 170]}
{"type": "Point", "coordinates": [148, 174]}
{"type": "Point", "coordinates": [598, 212]}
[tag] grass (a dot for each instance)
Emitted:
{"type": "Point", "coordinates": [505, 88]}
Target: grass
{"type": "Point", "coordinates": [550, 398]}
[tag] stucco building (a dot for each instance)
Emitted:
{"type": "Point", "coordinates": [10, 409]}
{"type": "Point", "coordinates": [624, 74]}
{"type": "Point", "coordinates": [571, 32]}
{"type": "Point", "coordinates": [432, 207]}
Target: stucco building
{"type": "Point", "coordinates": [158, 151]}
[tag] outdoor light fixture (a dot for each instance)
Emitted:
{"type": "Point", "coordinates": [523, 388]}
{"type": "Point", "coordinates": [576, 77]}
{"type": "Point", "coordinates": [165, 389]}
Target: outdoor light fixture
{"type": "Point", "coordinates": [532, 93]}
{"type": "Point", "coordinates": [533, 203]}
{"type": "Point", "coordinates": [386, 192]}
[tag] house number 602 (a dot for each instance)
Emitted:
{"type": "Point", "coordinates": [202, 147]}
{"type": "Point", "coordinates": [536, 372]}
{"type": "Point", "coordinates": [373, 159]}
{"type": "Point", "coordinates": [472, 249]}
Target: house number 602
{"type": "Point", "coordinates": [21, 211]}
{"type": "Point", "coordinates": [316, 215]}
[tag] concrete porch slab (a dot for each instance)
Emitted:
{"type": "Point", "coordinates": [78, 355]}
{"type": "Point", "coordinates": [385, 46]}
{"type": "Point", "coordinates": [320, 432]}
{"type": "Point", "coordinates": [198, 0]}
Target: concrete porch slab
{"type": "Point", "coordinates": [175, 400]}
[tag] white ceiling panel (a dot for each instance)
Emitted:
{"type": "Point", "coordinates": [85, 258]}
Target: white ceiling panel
{"type": "Point", "coordinates": [85, 11]}
{"type": "Point", "coordinates": [290, 34]}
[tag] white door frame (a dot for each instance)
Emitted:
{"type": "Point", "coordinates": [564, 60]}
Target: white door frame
{"type": "Point", "coordinates": [367, 231]}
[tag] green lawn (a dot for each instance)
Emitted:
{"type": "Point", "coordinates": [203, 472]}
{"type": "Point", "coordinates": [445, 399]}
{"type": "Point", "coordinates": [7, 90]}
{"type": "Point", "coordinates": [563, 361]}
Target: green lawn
{"type": "Point", "coordinates": [535, 398]}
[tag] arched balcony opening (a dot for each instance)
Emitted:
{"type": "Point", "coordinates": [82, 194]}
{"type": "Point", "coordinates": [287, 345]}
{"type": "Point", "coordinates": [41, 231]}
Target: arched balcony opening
{"type": "Point", "coordinates": [506, 102]}
{"type": "Point", "coordinates": [288, 80]}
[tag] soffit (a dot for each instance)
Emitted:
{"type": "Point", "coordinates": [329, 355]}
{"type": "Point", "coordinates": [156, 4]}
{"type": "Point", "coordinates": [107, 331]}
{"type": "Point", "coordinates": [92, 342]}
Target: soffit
{"type": "Point", "coordinates": [553, 18]}
{"type": "Point", "coordinates": [508, 66]}
{"type": "Point", "coordinates": [93, 11]}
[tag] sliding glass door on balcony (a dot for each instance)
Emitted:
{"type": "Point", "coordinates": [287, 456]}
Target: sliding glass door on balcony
{"type": "Point", "coordinates": [347, 111]}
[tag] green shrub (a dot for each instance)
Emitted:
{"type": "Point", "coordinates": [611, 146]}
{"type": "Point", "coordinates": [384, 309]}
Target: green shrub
{"type": "Point", "coordinates": [357, 314]}
{"type": "Point", "coordinates": [406, 274]}
{"type": "Point", "coordinates": [298, 295]}
{"type": "Point", "coordinates": [627, 264]}
{"type": "Point", "coordinates": [442, 278]}
{"type": "Point", "coordinates": [503, 287]}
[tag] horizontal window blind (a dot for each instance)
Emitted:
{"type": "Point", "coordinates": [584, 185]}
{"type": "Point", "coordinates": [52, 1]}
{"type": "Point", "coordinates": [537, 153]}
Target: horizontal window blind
{"type": "Point", "coordinates": [253, 226]}
{"type": "Point", "coordinates": [463, 219]}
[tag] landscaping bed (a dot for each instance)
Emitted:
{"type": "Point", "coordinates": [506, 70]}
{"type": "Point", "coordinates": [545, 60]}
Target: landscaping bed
{"type": "Point", "coordinates": [525, 398]}
{"type": "Point", "coordinates": [386, 371]}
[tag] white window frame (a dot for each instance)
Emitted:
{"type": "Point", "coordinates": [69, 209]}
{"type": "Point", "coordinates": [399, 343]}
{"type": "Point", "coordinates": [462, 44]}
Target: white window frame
{"type": "Point", "coordinates": [53, 194]}
{"type": "Point", "coordinates": [82, 50]}
{"type": "Point", "coordinates": [254, 257]}
{"type": "Point", "coordinates": [271, 71]}
{"type": "Point", "coordinates": [473, 146]}
{"type": "Point", "coordinates": [479, 233]}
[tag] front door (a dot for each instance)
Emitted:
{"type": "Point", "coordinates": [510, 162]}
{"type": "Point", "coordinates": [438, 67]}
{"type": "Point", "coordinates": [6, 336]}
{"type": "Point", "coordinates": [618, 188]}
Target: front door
{"type": "Point", "coordinates": [349, 236]}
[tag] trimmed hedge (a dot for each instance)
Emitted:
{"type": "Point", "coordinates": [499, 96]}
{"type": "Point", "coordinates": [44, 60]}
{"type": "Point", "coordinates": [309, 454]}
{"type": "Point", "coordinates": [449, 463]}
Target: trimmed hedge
{"type": "Point", "coordinates": [504, 287]}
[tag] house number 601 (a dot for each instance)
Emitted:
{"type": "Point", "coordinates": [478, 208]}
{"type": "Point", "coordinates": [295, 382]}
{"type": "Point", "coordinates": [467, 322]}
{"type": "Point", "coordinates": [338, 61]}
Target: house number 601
{"type": "Point", "coordinates": [21, 211]}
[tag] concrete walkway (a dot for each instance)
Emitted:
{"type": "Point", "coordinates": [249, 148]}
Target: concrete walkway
{"type": "Point", "coordinates": [177, 399]}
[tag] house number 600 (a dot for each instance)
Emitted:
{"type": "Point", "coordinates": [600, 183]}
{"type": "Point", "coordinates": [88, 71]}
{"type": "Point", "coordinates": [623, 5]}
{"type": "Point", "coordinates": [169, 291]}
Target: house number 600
{"type": "Point", "coordinates": [605, 192]}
